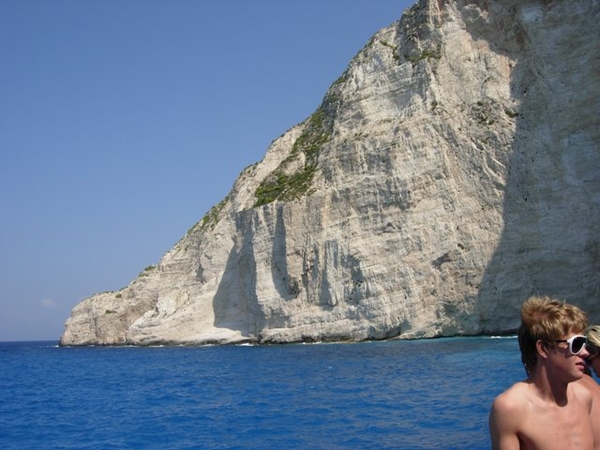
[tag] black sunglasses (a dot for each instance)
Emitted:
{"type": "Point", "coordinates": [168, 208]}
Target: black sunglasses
{"type": "Point", "coordinates": [593, 350]}
{"type": "Point", "coordinates": [576, 343]}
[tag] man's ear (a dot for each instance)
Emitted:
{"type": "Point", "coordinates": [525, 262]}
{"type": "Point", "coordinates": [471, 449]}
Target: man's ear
{"type": "Point", "coordinates": [542, 348]}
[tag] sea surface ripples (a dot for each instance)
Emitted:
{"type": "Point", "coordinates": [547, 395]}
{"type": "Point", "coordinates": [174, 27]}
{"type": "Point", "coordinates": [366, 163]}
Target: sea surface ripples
{"type": "Point", "coordinates": [429, 394]}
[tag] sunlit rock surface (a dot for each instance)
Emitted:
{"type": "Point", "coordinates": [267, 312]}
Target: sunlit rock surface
{"type": "Point", "coordinates": [452, 171]}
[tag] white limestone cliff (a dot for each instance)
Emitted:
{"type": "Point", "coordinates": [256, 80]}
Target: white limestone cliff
{"type": "Point", "coordinates": [452, 171]}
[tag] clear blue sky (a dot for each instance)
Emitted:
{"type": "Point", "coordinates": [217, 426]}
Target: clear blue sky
{"type": "Point", "coordinates": [123, 121]}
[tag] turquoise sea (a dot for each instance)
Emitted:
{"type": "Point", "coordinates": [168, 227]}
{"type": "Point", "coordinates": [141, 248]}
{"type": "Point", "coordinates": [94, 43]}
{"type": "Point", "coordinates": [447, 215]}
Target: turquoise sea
{"type": "Point", "coordinates": [425, 394]}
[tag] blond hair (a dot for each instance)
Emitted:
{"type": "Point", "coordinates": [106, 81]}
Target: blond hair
{"type": "Point", "coordinates": [593, 336]}
{"type": "Point", "coordinates": [546, 319]}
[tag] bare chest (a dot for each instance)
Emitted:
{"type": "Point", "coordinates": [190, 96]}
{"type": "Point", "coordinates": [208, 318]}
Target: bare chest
{"type": "Point", "coordinates": [560, 428]}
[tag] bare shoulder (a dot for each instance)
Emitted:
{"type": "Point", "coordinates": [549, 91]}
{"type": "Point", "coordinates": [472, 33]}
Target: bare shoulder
{"type": "Point", "coordinates": [514, 398]}
{"type": "Point", "coordinates": [586, 388]}
{"type": "Point", "coordinates": [589, 391]}
{"type": "Point", "coordinates": [511, 405]}
{"type": "Point", "coordinates": [589, 383]}
{"type": "Point", "coordinates": [507, 415]}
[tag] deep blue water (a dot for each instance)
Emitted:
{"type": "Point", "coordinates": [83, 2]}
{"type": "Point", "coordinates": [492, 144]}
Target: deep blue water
{"type": "Point", "coordinates": [428, 394]}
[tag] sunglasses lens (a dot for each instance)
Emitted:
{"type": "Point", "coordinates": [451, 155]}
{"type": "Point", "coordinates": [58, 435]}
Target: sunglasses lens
{"type": "Point", "coordinates": [577, 344]}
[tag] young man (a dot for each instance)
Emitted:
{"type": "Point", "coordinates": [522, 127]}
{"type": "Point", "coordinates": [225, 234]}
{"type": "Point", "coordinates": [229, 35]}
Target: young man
{"type": "Point", "coordinates": [547, 410]}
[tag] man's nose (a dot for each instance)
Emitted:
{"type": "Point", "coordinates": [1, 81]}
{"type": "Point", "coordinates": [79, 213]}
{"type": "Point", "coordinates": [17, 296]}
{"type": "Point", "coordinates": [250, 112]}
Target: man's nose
{"type": "Point", "coordinates": [584, 352]}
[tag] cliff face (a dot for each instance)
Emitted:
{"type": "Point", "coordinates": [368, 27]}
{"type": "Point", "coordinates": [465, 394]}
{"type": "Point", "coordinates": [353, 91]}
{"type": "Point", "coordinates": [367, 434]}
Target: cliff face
{"type": "Point", "coordinates": [452, 171]}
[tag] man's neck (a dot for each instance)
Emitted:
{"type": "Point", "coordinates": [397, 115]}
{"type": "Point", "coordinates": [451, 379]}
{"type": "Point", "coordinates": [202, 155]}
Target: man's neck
{"type": "Point", "coordinates": [549, 389]}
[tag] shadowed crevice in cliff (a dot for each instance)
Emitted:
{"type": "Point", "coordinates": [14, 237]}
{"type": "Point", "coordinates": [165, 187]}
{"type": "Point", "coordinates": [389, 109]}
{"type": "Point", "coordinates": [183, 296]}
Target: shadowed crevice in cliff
{"type": "Point", "coordinates": [287, 287]}
{"type": "Point", "coordinates": [551, 210]}
{"type": "Point", "coordinates": [235, 303]}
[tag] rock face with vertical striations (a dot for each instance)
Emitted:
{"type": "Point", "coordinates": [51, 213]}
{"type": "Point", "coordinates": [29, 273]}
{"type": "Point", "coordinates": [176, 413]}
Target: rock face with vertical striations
{"type": "Point", "coordinates": [452, 171]}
